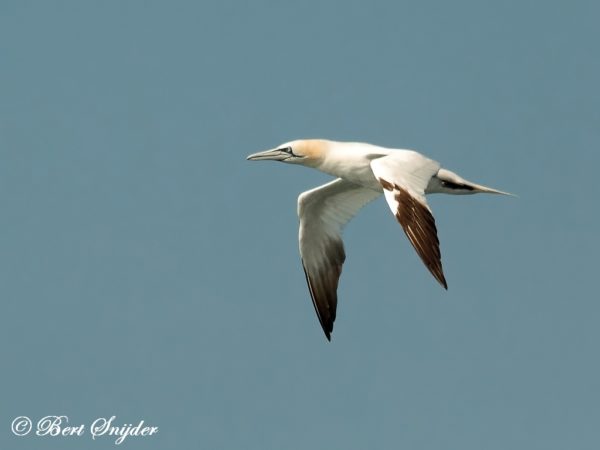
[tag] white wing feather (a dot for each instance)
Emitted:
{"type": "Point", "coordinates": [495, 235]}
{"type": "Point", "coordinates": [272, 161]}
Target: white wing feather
{"type": "Point", "coordinates": [323, 212]}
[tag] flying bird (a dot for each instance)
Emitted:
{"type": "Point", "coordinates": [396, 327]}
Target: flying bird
{"type": "Point", "coordinates": [363, 172]}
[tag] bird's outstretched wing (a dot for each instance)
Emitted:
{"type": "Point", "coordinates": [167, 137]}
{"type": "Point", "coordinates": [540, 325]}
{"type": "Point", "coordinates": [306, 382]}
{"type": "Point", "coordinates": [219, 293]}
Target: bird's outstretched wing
{"type": "Point", "coordinates": [323, 212]}
{"type": "Point", "coordinates": [404, 177]}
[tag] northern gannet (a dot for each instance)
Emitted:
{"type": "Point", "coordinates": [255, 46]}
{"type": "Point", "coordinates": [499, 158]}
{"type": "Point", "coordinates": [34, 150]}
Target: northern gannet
{"type": "Point", "coordinates": [363, 172]}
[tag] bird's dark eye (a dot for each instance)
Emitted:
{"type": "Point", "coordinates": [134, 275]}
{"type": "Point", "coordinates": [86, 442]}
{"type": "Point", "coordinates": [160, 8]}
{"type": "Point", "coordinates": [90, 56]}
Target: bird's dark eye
{"type": "Point", "coordinates": [288, 150]}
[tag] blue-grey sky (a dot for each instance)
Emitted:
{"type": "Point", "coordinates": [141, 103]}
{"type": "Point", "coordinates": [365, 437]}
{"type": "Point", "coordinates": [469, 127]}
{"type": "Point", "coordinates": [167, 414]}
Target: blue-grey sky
{"type": "Point", "coordinates": [148, 271]}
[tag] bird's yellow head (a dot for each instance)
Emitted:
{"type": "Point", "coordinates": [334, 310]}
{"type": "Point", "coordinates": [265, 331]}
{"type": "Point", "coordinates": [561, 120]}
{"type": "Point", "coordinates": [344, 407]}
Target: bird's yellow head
{"type": "Point", "coordinates": [307, 152]}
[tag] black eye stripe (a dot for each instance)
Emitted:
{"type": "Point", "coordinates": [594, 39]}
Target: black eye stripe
{"type": "Point", "coordinates": [287, 150]}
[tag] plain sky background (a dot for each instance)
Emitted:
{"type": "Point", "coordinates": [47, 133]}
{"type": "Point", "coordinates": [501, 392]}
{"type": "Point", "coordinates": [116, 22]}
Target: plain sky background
{"type": "Point", "coordinates": [148, 271]}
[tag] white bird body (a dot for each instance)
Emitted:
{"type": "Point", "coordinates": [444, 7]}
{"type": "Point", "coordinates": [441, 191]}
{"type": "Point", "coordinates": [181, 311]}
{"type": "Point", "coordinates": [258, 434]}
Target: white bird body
{"type": "Point", "coordinates": [363, 171]}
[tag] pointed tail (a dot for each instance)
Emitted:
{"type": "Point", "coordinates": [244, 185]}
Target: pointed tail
{"type": "Point", "coordinates": [450, 183]}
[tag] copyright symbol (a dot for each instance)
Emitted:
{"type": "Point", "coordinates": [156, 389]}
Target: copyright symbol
{"type": "Point", "coordinates": [21, 426]}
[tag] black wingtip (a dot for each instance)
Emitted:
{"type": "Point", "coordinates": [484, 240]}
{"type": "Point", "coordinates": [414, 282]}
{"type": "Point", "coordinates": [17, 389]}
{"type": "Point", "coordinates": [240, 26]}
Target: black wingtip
{"type": "Point", "coordinates": [438, 274]}
{"type": "Point", "coordinates": [443, 282]}
{"type": "Point", "coordinates": [328, 336]}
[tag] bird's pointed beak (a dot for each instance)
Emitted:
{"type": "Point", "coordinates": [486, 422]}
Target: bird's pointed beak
{"type": "Point", "coordinates": [275, 155]}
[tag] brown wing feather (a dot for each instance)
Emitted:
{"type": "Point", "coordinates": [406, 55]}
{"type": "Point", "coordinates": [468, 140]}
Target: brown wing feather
{"type": "Point", "coordinates": [419, 225]}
